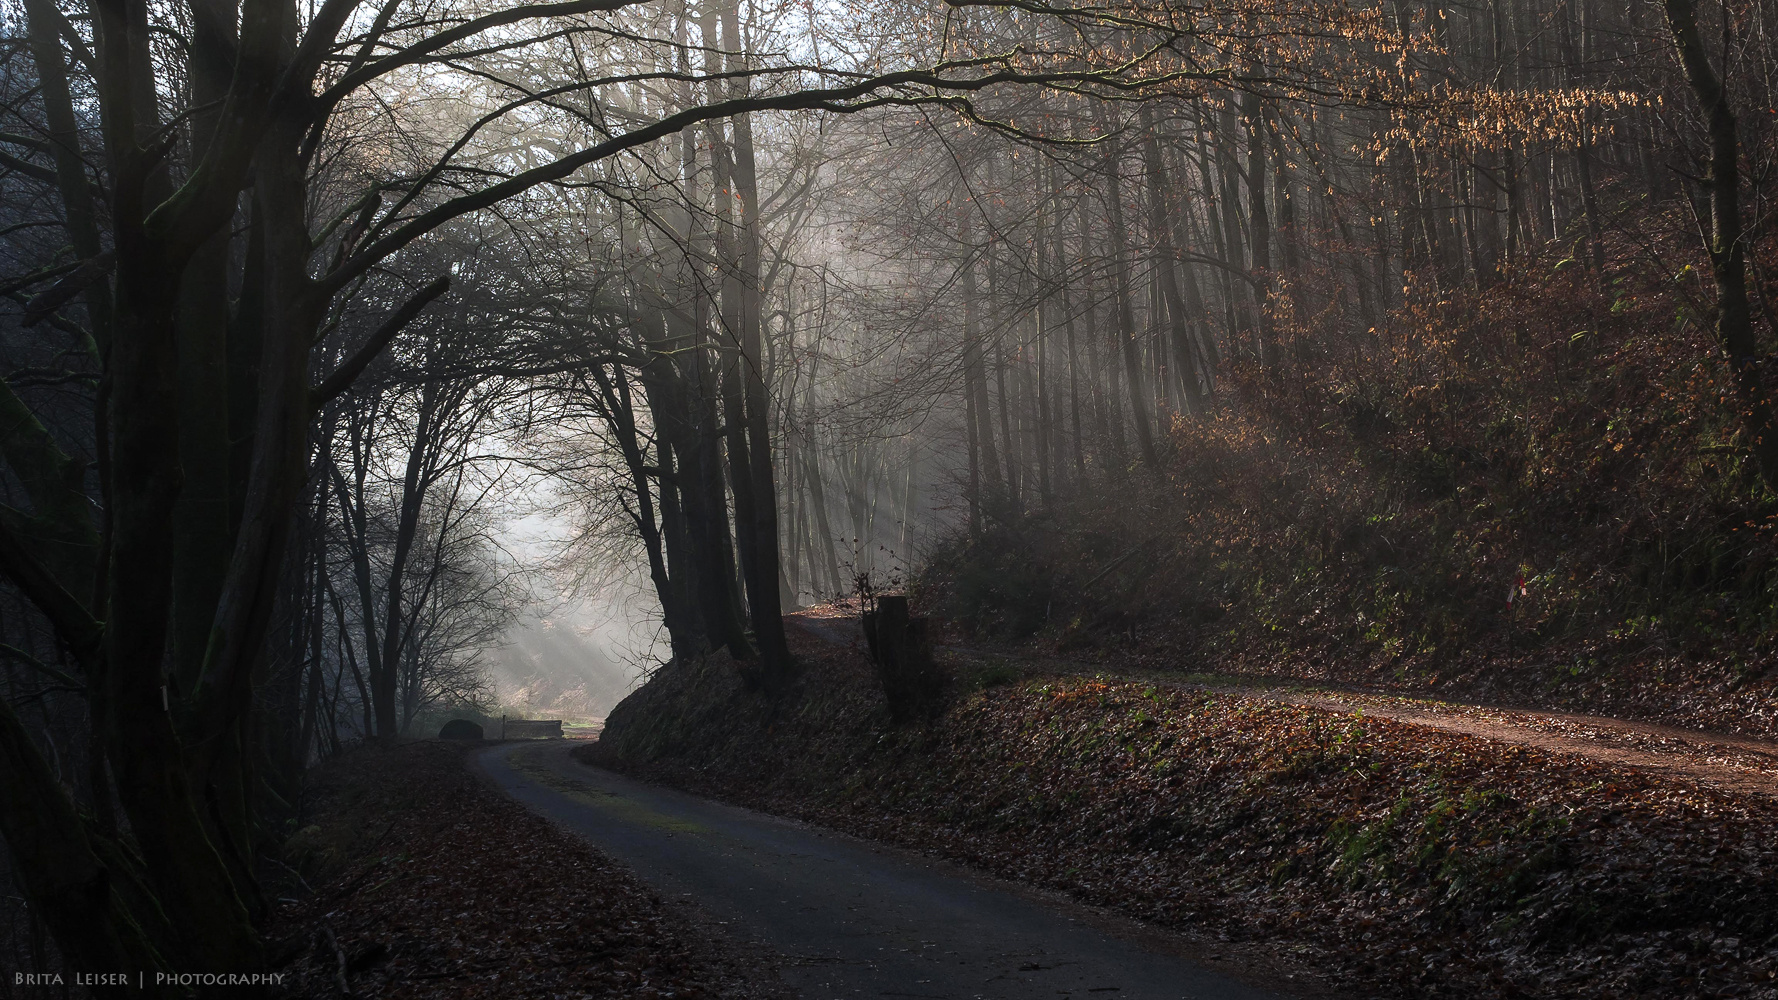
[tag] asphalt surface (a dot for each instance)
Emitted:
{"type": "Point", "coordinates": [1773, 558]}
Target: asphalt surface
{"type": "Point", "coordinates": [852, 920]}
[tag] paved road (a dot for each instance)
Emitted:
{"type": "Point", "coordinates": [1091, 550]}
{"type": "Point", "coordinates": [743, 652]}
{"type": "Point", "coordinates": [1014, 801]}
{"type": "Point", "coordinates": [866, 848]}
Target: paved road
{"type": "Point", "coordinates": [854, 921]}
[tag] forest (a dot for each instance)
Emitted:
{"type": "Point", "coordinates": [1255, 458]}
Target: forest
{"type": "Point", "coordinates": [1406, 346]}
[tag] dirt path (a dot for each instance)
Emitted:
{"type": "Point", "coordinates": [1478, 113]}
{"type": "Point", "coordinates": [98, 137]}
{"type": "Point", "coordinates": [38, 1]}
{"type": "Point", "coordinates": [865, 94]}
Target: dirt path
{"type": "Point", "coordinates": [1729, 763]}
{"type": "Point", "coordinates": [856, 919]}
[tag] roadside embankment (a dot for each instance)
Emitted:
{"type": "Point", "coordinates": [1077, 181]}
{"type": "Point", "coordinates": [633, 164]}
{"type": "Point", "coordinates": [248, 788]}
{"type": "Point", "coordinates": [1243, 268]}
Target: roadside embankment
{"type": "Point", "coordinates": [414, 877]}
{"type": "Point", "coordinates": [1397, 859]}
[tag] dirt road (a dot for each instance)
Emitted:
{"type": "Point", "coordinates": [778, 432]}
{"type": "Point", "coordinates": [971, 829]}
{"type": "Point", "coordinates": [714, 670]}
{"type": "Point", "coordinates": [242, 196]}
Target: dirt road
{"type": "Point", "coordinates": [855, 919]}
{"type": "Point", "coordinates": [1730, 763]}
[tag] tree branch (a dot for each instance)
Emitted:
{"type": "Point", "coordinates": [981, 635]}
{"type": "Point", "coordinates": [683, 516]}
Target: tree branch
{"type": "Point", "coordinates": [37, 277]}
{"type": "Point", "coordinates": [342, 377]}
{"type": "Point", "coordinates": [64, 290]}
{"type": "Point", "coordinates": [829, 99]}
{"type": "Point", "coordinates": [60, 676]}
{"type": "Point", "coordinates": [71, 620]}
{"type": "Point", "coordinates": [32, 170]}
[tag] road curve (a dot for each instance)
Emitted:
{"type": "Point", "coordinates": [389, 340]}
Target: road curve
{"type": "Point", "coordinates": [1727, 762]}
{"type": "Point", "coordinates": [852, 920]}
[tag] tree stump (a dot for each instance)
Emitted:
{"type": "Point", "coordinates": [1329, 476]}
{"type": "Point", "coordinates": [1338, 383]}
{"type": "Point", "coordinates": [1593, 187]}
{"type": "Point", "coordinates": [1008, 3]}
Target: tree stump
{"type": "Point", "coordinates": [902, 651]}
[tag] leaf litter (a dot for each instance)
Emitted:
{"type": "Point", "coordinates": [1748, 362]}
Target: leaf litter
{"type": "Point", "coordinates": [419, 879]}
{"type": "Point", "coordinates": [1391, 858]}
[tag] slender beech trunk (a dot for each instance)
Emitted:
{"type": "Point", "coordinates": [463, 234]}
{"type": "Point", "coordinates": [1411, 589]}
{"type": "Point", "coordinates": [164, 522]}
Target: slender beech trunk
{"type": "Point", "coordinates": [413, 494]}
{"type": "Point", "coordinates": [1185, 359]}
{"type": "Point", "coordinates": [1237, 301]}
{"type": "Point", "coordinates": [618, 403]}
{"type": "Point", "coordinates": [706, 506]}
{"type": "Point", "coordinates": [1259, 227]}
{"type": "Point", "coordinates": [990, 493]}
{"type": "Point", "coordinates": [1140, 397]}
{"type": "Point", "coordinates": [1726, 241]}
{"type": "Point", "coordinates": [731, 307]}
{"type": "Point", "coordinates": [1045, 322]}
{"type": "Point", "coordinates": [764, 594]}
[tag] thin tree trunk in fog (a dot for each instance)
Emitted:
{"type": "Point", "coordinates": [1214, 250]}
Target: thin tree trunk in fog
{"type": "Point", "coordinates": [1204, 336]}
{"type": "Point", "coordinates": [1167, 268]}
{"type": "Point", "coordinates": [1259, 226]}
{"type": "Point", "coordinates": [973, 440]}
{"type": "Point", "coordinates": [1064, 270]}
{"type": "Point", "coordinates": [1108, 421]}
{"type": "Point", "coordinates": [906, 544]}
{"type": "Point", "coordinates": [383, 678]}
{"type": "Point", "coordinates": [1011, 441]}
{"type": "Point", "coordinates": [975, 376]}
{"type": "Point", "coordinates": [994, 300]}
{"type": "Point", "coordinates": [812, 469]}
{"type": "Point", "coordinates": [344, 630]}
{"type": "Point", "coordinates": [1080, 454]}
{"type": "Point", "coordinates": [1224, 228]}
{"type": "Point", "coordinates": [1025, 416]}
{"type": "Point", "coordinates": [764, 587]}
{"type": "Point", "coordinates": [1726, 242]}
{"type": "Point", "coordinates": [864, 493]}
{"type": "Point", "coordinates": [733, 393]}
{"type": "Point", "coordinates": [794, 504]}
{"type": "Point", "coordinates": [1045, 320]}
{"type": "Point", "coordinates": [818, 498]}
{"type": "Point", "coordinates": [619, 406]}
{"type": "Point", "coordinates": [354, 520]}
{"type": "Point", "coordinates": [805, 551]}
{"type": "Point", "coordinates": [1126, 318]}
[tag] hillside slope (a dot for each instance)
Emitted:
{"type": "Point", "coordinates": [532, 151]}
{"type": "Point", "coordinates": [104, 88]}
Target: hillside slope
{"type": "Point", "coordinates": [1393, 858]}
{"type": "Point", "coordinates": [1536, 493]}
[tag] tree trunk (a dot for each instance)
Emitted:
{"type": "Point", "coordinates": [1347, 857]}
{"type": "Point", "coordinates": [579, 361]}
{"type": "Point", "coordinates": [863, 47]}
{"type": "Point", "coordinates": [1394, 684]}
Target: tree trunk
{"type": "Point", "coordinates": [1126, 320]}
{"type": "Point", "coordinates": [1259, 225]}
{"type": "Point", "coordinates": [1167, 265]}
{"type": "Point", "coordinates": [1726, 242]}
{"type": "Point", "coordinates": [763, 596]}
{"type": "Point", "coordinates": [975, 377]}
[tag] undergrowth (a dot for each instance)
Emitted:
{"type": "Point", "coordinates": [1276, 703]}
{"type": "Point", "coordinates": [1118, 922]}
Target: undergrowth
{"type": "Point", "coordinates": [1362, 512]}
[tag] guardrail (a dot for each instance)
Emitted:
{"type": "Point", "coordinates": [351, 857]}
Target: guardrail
{"type": "Point", "coordinates": [529, 729]}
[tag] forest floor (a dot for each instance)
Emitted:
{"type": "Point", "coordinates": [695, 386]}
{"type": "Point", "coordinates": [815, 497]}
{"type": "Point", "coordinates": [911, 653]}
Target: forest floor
{"type": "Point", "coordinates": [414, 877]}
{"type": "Point", "coordinates": [1390, 845]}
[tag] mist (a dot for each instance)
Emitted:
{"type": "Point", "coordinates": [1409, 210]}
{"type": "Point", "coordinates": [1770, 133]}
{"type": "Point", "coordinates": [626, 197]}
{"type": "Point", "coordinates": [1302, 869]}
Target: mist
{"type": "Point", "coordinates": [371, 367]}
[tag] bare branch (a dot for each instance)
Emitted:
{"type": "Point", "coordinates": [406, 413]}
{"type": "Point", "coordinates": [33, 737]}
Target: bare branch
{"type": "Point", "coordinates": [342, 376]}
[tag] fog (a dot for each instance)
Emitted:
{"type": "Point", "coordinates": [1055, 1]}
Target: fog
{"type": "Point", "coordinates": [573, 663]}
{"type": "Point", "coordinates": [581, 640]}
{"type": "Point", "coordinates": [627, 331]}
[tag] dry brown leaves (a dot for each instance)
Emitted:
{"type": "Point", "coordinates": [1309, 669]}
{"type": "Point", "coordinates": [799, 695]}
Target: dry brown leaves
{"type": "Point", "coordinates": [434, 885]}
{"type": "Point", "coordinates": [1403, 860]}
